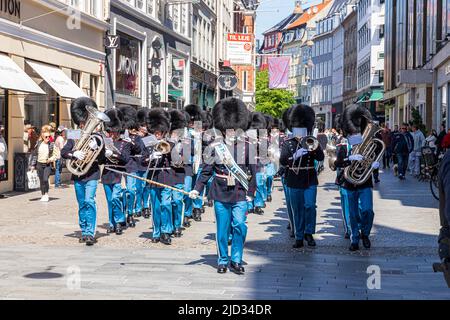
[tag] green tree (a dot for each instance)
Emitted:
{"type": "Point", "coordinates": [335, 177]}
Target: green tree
{"type": "Point", "coordinates": [271, 101]}
{"type": "Point", "coordinates": [417, 120]}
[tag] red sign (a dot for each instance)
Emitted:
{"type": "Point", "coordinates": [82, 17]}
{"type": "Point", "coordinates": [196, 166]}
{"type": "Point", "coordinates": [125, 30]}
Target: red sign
{"type": "Point", "coordinates": [239, 37]}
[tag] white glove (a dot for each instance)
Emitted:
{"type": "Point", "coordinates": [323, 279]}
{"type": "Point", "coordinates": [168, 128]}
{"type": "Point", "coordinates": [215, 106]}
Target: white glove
{"type": "Point", "coordinates": [248, 198]}
{"type": "Point", "coordinates": [93, 144]}
{"type": "Point", "coordinates": [194, 194]}
{"type": "Point", "coordinates": [300, 153]}
{"type": "Point", "coordinates": [156, 155]}
{"type": "Point", "coordinates": [375, 165]}
{"type": "Point", "coordinates": [79, 155]}
{"type": "Point", "coordinates": [108, 153]}
{"type": "Point", "coordinates": [355, 157]}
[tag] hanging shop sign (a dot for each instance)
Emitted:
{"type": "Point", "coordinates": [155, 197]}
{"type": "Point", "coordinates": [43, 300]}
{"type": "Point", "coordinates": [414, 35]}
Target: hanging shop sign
{"type": "Point", "coordinates": [227, 82]}
{"type": "Point", "coordinates": [239, 48]}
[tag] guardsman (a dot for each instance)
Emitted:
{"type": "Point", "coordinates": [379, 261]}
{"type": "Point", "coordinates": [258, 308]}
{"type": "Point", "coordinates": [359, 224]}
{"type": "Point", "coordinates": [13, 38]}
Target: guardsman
{"type": "Point", "coordinates": [257, 123]}
{"type": "Point", "coordinates": [194, 207]}
{"type": "Point", "coordinates": [117, 154]}
{"type": "Point", "coordinates": [358, 197]}
{"type": "Point", "coordinates": [158, 124]}
{"type": "Point", "coordinates": [270, 167]}
{"type": "Point", "coordinates": [133, 165]}
{"type": "Point", "coordinates": [180, 166]}
{"type": "Point", "coordinates": [301, 175]}
{"type": "Point", "coordinates": [85, 185]}
{"type": "Point", "coordinates": [142, 188]}
{"type": "Point", "coordinates": [229, 189]}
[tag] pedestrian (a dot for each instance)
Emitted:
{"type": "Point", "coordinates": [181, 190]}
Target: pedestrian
{"type": "Point", "coordinates": [430, 141]}
{"type": "Point", "coordinates": [53, 130]}
{"type": "Point", "coordinates": [386, 136]}
{"type": "Point", "coordinates": [86, 184]}
{"type": "Point", "coordinates": [60, 141]}
{"type": "Point", "coordinates": [3, 155]}
{"type": "Point", "coordinates": [401, 147]}
{"type": "Point", "coordinates": [416, 153]}
{"type": "Point", "coordinates": [439, 139]}
{"type": "Point", "coordinates": [230, 190]}
{"type": "Point", "coordinates": [30, 138]}
{"type": "Point", "coordinates": [301, 175]}
{"type": "Point", "coordinates": [358, 196]}
{"type": "Point", "coordinates": [42, 159]}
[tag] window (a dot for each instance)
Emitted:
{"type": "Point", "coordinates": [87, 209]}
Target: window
{"type": "Point", "coordinates": [76, 77]}
{"type": "Point", "coordinates": [244, 81]}
{"type": "Point", "coordinates": [381, 32]}
{"type": "Point", "coordinates": [4, 124]}
{"type": "Point", "coordinates": [380, 76]}
{"type": "Point", "coordinates": [380, 55]}
{"type": "Point", "coordinates": [93, 85]}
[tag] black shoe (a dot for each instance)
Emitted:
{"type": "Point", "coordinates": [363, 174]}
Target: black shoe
{"type": "Point", "coordinates": [2, 196]}
{"type": "Point", "coordinates": [137, 214]}
{"type": "Point", "coordinates": [377, 180]}
{"type": "Point", "coordinates": [366, 242]}
{"type": "Point", "coordinates": [210, 203]}
{"type": "Point", "coordinates": [264, 205]}
{"type": "Point", "coordinates": [346, 236]}
{"type": "Point", "coordinates": [90, 240]}
{"type": "Point", "coordinates": [269, 198]}
{"type": "Point", "coordinates": [310, 240]}
{"type": "Point", "coordinates": [354, 247]}
{"type": "Point", "coordinates": [111, 230]}
{"type": "Point", "coordinates": [146, 213]}
{"type": "Point", "coordinates": [82, 239]}
{"type": "Point", "coordinates": [197, 214]}
{"type": "Point", "coordinates": [130, 221]}
{"type": "Point", "coordinates": [186, 222]}
{"type": "Point", "coordinates": [155, 240]}
{"type": "Point", "coordinates": [237, 267]}
{"type": "Point", "coordinates": [288, 226]}
{"type": "Point", "coordinates": [291, 234]}
{"type": "Point", "coordinates": [258, 210]}
{"type": "Point", "coordinates": [251, 210]}
{"type": "Point", "coordinates": [165, 238]}
{"type": "Point", "coordinates": [202, 210]}
{"type": "Point", "coordinates": [298, 244]}
{"type": "Point", "coordinates": [221, 268]}
{"type": "Point", "coordinates": [177, 233]}
{"type": "Point", "coordinates": [230, 242]}
{"type": "Point", "coordinates": [119, 229]}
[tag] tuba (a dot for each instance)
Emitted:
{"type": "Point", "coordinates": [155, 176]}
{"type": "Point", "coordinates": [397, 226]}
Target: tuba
{"type": "Point", "coordinates": [95, 119]}
{"type": "Point", "coordinates": [372, 150]}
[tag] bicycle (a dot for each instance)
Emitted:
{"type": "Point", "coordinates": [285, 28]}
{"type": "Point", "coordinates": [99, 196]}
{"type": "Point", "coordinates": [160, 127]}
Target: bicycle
{"type": "Point", "coordinates": [430, 170]}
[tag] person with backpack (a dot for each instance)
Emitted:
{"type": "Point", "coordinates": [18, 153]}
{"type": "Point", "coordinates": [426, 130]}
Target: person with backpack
{"type": "Point", "coordinates": [402, 146]}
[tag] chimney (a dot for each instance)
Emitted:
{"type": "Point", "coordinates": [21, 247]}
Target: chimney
{"type": "Point", "coordinates": [298, 7]}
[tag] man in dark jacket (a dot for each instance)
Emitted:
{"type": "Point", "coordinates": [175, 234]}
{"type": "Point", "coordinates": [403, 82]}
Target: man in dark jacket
{"type": "Point", "coordinates": [402, 145]}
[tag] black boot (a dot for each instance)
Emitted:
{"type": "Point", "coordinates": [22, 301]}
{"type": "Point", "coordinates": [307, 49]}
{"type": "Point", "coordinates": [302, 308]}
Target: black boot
{"type": "Point", "coordinates": [251, 210]}
{"type": "Point", "coordinates": [155, 240]}
{"type": "Point", "coordinates": [221, 268]}
{"type": "Point", "coordinates": [258, 210]}
{"type": "Point", "coordinates": [210, 203]}
{"type": "Point", "coordinates": [269, 198]}
{"type": "Point", "coordinates": [202, 210]}
{"type": "Point", "coordinates": [237, 267]}
{"type": "Point", "coordinates": [111, 230]}
{"type": "Point", "coordinates": [82, 239]}
{"type": "Point", "coordinates": [130, 221]}
{"type": "Point", "coordinates": [346, 235]}
{"type": "Point", "coordinates": [354, 247]}
{"type": "Point", "coordinates": [137, 214]}
{"type": "Point", "coordinates": [177, 233]}
{"type": "Point", "coordinates": [118, 229]}
{"type": "Point", "coordinates": [165, 238]}
{"type": "Point", "coordinates": [298, 244]}
{"type": "Point", "coordinates": [288, 226]}
{"type": "Point", "coordinates": [186, 222]}
{"type": "Point", "coordinates": [310, 240]}
{"type": "Point", "coordinates": [366, 242]}
{"type": "Point", "coordinates": [90, 241]}
{"type": "Point", "coordinates": [197, 214]}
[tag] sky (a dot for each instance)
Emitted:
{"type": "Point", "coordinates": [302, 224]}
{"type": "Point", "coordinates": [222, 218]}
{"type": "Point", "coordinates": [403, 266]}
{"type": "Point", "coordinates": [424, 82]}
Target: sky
{"type": "Point", "coordinates": [270, 12]}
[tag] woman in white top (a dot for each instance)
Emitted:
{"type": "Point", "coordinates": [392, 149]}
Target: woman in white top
{"type": "Point", "coordinates": [3, 155]}
{"type": "Point", "coordinates": [431, 140]}
{"type": "Point", "coordinates": [44, 155]}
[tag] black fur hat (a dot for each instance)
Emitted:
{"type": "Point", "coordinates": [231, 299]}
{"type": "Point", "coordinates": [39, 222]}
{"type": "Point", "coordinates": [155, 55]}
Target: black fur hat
{"type": "Point", "coordinates": [195, 112]}
{"type": "Point", "coordinates": [177, 119]}
{"type": "Point", "coordinates": [230, 113]}
{"type": "Point", "coordinates": [270, 121]}
{"type": "Point", "coordinates": [78, 110]}
{"type": "Point", "coordinates": [354, 119]}
{"type": "Point", "coordinates": [115, 124]}
{"type": "Point", "coordinates": [141, 117]}
{"type": "Point", "coordinates": [285, 117]}
{"type": "Point", "coordinates": [257, 121]}
{"type": "Point", "coordinates": [302, 116]}
{"type": "Point", "coordinates": [277, 123]}
{"type": "Point", "coordinates": [158, 120]}
{"type": "Point", "coordinates": [207, 120]}
{"type": "Point", "coordinates": [129, 117]}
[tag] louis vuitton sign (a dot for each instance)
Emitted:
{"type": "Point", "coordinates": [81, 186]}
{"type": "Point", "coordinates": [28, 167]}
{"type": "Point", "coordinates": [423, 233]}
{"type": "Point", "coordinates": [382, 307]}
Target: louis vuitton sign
{"type": "Point", "coordinates": [10, 7]}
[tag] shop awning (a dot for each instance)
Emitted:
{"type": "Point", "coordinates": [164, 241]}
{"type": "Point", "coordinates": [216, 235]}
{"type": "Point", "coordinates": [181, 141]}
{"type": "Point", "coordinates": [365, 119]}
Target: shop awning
{"type": "Point", "coordinates": [12, 77]}
{"type": "Point", "coordinates": [58, 80]}
{"type": "Point", "coordinates": [376, 95]}
{"type": "Point", "coordinates": [176, 93]}
{"type": "Point", "coordinates": [362, 98]}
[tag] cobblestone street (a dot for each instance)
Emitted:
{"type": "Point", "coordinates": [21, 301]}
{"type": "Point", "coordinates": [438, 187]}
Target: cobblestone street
{"type": "Point", "coordinates": [41, 255]}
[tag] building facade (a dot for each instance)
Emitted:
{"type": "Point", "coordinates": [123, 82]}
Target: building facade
{"type": "Point", "coordinates": [151, 66]}
{"type": "Point", "coordinates": [50, 53]}
{"type": "Point", "coordinates": [350, 25]}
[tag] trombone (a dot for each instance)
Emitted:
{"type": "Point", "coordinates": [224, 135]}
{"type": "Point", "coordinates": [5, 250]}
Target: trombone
{"type": "Point", "coordinates": [309, 143]}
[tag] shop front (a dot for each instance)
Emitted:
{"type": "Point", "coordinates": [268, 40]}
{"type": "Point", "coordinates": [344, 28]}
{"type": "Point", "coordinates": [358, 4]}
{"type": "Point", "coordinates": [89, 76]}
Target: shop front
{"type": "Point", "coordinates": [44, 65]}
{"type": "Point", "coordinates": [442, 95]}
{"type": "Point", "coordinates": [203, 83]}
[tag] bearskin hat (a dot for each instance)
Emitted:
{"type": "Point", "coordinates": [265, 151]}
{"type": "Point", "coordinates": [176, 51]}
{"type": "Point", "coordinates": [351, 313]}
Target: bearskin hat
{"type": "Point", "coordinates": [141, 117]}
{"type": "Point", "coordinates": [230, 113]}
{"type": "Point", "coordinates": [207, 120]}
{"type": "Point", "coordinates": [177, 119]}
{"type": "Point", "coordinates": [269, 121]}
{"type": "Point", "coordinates": [276, 123]}
{"type": "Point", "coordinates": [78, 110]}
{"type": "Point", "coordinates": [285, 117]}
{"type": "Point", "coordinates": [129, 117]}
{"type": "Point", "coordinates": [158, 120]}
{"type": "Point", "coordinates": [115, 123]}
{"type": "Point", "coordinates": [302, 116]}
{"type": "Point", "coordinates": [354, 119]}
{"type": "Point", "coordinates": [195, 112]}
{"type": "Point", "coordinates": [257, 121]}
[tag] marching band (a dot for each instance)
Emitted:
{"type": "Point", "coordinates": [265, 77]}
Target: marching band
{"type": "Point", "coordinates": [174, 162]}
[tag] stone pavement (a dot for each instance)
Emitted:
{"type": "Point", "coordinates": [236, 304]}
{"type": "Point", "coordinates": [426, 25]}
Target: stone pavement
{"type": "Point", "coordinates": [41, 257]}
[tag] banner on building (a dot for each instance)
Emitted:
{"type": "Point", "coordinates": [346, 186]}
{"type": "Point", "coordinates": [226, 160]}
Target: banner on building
{"type": "Point", "coordinates": [278, 72]}
{"type": "Point", "coordinates": [239, 48]}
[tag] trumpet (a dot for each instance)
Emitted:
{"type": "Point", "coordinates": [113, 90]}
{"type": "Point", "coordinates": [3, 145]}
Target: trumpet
{"type": "Point", "coordinates": [309, 143]}
{"type": "Point", "coordinates": [163, 147]}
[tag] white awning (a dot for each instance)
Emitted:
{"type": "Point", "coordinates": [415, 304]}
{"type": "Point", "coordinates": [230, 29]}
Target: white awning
{"type": "Point", "coordinates": [12, 77]}
{"type": "Point", "coordinates": [58, 80]}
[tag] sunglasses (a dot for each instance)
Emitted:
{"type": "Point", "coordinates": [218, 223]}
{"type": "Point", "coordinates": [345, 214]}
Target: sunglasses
{"type": "Point", "coordinates": [46, 137]}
